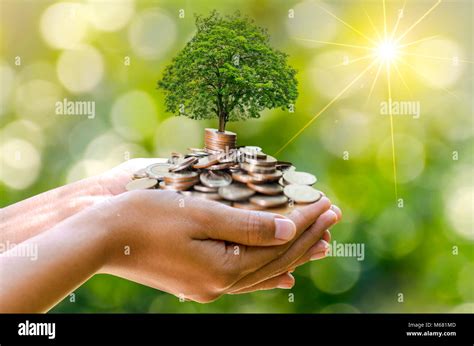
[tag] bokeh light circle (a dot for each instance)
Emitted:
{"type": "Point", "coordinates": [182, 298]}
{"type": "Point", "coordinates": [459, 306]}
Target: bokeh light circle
{"type": "Point", "coordinates": [36, 99]}
{"type": "Point", "coordinates": [110, 15]}
{"type": "Point", "coordinates": [459, 197]}
{"type": "Point", "coordinates": [432, 62]}
{"type": "Point", "coordinates": [339, 308]}
{"type": "Point", "coordinates": [7, 76]}
{"type": "Point", "coordinates": [410, 159]}
{"type": "Point", "coordinates": [134, 115]}
{"type": "Point", "coordinates": [394, 234]}
{"type": "Point", "coordinates": [64, 25]}
{"type": "Point", "coordinates": [80, 69]}
{"type": "Point", "coordinates": [172, 132]}
{"type": "Point", "coordinates": [20, 162]}
{"type": "Point", "coordinates": [328, 76]}
{"type": "Point", "coordinates": [352, 133]}
{"type": "Point", "coordinates": [311, 23]}
{"type": "Point", "coordinates": [335, 275]}
{"type": "Point", "coordinates": [152, 33]}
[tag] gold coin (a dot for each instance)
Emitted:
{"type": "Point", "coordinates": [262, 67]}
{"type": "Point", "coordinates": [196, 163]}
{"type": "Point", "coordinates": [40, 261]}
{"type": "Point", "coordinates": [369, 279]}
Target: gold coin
{"type": "Point", "coordinates": [141, 184]}
{"type": "Point", "coordinates": [302, 193]}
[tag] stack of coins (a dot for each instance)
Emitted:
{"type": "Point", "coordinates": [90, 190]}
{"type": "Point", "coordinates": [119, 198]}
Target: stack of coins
{"type": "Point", "coordinates": [216, 141]}
{"type": "Point", "coordinates": [244, 177]}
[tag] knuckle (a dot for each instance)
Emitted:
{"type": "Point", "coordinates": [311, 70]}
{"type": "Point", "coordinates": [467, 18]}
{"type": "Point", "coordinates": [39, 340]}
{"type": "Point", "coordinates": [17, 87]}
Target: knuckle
{"type": "Point", "coordinates": [253, 227]}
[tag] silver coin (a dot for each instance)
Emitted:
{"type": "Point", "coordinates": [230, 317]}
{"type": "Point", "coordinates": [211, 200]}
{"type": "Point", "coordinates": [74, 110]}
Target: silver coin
{"type": "Point", "coordinates": [268, 201]}
{"type": "Point", "coordinates": [266, 189]}
{"type": "Point", "coordinates": [302, 193]}
{"type": "Point", "coordinates": [267, 161]}
{"type": "Point", "coordinates": [141, 184]}
{"type": "Point", "coordinates": [158, 170]}
{"type": "Point", "coordinates": [299, 178]}
{"type": "Point", "coordinates": [203, 188]}
{"type": "Point", "coordinates": [183, 164]}
{"type": "Point", "coordinates": [215, 178]}
{"type": "Point", "coordinates": [235, 192]}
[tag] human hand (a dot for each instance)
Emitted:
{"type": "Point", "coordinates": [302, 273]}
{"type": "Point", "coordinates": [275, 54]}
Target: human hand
{"type": "Point", "coordinates": [201, 249]}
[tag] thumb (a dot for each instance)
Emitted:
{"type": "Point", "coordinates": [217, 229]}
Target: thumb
{"type": "Point", "coordinates": [249, 227]}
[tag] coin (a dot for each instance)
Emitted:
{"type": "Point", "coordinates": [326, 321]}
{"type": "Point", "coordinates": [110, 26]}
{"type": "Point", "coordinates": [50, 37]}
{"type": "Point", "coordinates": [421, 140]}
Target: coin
{"type": "Point", "coordinates": [175, 186]}
{"type": "Point", "coordinates": [266, 189]}
{"type": "Point", "coordinates": [207, 161]}
{"type": "Point", "coordinates": [181, 177]}
{"type": "Point", "coordinates": [207, 195]}
{"type": "Point", "coordinates": [141, 184]}
{"type": "Point", "coordinates": [183, 164]}
{"type": "Point", "coordinates": [141, 173]}
{"type": "Point", "coordinates": [285, 166]}
{"type": "Point", "coordinates": [158, 170]}
{"type": "Point", "coordinates": [215, 179]}
{"type": "Point", "coordinates": [247, 205]}
{"type": "Point", "coordinates": [241, 176]}
{"type": "Point", "coordinates": [299, 178]}
{"type": "Point", "coordinates": [263, 177]}
{"type": "Point", "coordinates": [302, 193]}
{"type": "Point", "coordinates": [282, 182]}
{"type": "Point", "coordinates": [253, 153]}
{"type": "Point", "coordinates": [203, 188]}
{"type": "Point", "coordinates": [268, 201]}
{"type": "Point", "coordinates": [268, 161]}
{"type": "Point", "coordinates": [256, 169]}
{"type": "Point", "coordinates": [235, 192]}
{"type": "Point", "coordinates": [221, 166]}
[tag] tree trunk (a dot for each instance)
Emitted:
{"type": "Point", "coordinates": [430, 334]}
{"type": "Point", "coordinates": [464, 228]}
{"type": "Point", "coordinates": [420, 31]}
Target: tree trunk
{"type": "Point", "coordinates": [222, 121]}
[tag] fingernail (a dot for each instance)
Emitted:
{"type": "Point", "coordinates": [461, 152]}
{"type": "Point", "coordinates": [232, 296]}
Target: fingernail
{"type": "Point", "coordinates": [284, 229]}
{"type": "Point", "coordinates": [318, 255]}
{"type": "Point", "coordinates": [338, 212]}
{"type": "Point", "coordinates": [287, 282]}
{"type": "Point", "coordinates": [332, 215]}
{"type": "Point", "coordinates": [321, 246]}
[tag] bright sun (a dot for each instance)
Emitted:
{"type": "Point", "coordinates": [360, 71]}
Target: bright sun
{"type": "Point", "coordinates": [386, 51]}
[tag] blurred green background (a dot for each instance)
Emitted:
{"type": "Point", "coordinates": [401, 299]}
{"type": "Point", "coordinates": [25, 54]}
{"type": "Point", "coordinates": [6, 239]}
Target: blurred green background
{"type": "Point", "coordinates": [418, 257]}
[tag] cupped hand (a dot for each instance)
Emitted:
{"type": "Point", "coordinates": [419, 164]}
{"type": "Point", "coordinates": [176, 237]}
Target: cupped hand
{"type": "Point", "coordinates": [200, 249]}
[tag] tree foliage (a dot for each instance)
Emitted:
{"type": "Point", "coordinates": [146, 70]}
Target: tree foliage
{"type": "Point", "coordinates": [228, 70]}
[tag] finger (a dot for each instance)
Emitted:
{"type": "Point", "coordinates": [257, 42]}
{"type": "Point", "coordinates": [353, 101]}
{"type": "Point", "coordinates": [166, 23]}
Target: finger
{"type": "Point", "coordinates": [316, 252]}
{"type": "Point", "coordinates": [283, 281]}
{"type": "Point", "coordinates": [254, 258]}
{"type": "Point", "coordinates": [327, 236]}
{"type": "Point", "coordinates": [297, 249]}
{"type": "Point", "coordinates": [246, 227]}
{"type": "Point", "coordinates": [338, 212]}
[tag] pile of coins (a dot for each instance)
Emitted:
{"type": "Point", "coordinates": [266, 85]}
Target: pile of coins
{"type": "Point", "coordinates": [244, 177]}
{"type": "Point", "coordinates": [216, 141]}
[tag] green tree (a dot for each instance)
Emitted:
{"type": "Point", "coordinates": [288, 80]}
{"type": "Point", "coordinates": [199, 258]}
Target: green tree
{"type": "Point", "coordinates": [228, 70]}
